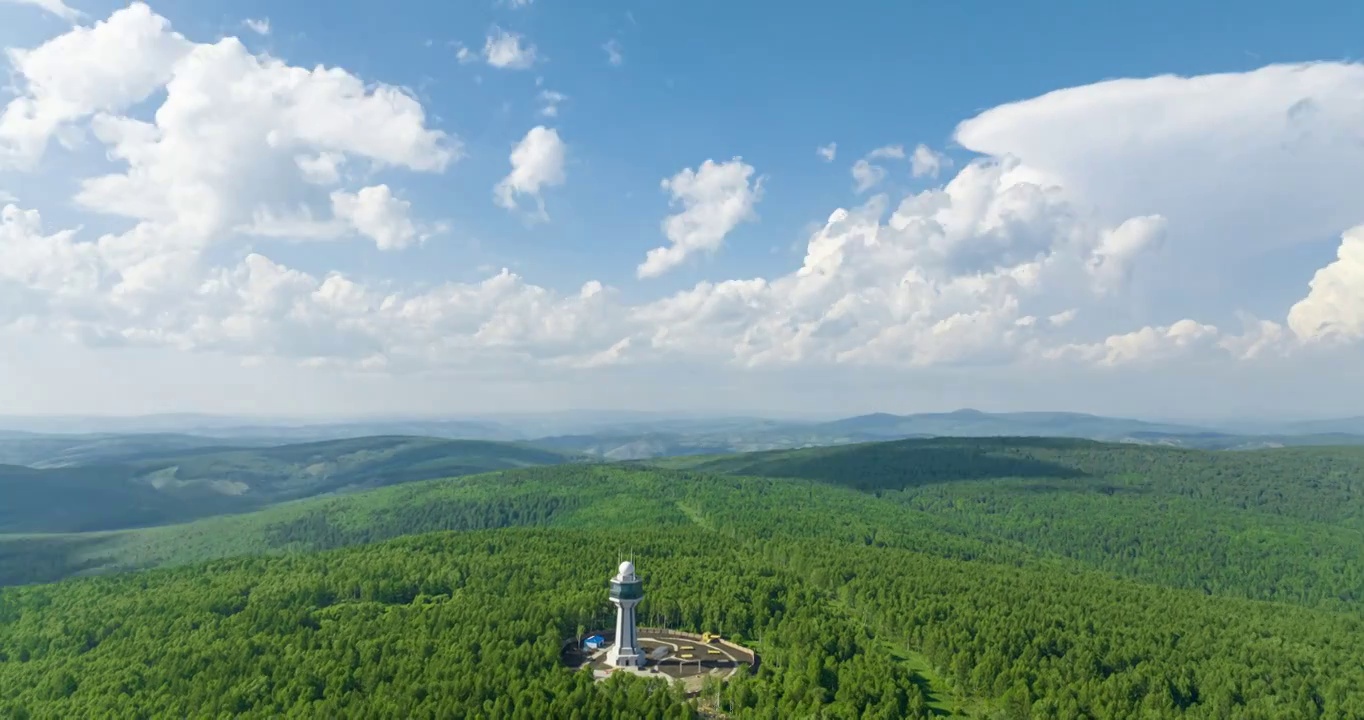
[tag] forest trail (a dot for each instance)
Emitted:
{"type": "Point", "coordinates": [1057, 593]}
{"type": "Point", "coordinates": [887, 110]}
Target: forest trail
{"type": "Point", "coordinates": [942, 700]}
{"type": "Point", "coordinates": [695, 516]}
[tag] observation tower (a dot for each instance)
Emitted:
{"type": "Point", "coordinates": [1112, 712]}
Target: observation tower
{"type": "Point", "coordinates": [626, 592]}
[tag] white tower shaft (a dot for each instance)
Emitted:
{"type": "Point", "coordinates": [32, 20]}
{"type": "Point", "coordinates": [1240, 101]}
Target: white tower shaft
{"type": "Point", "coordinates": [626, 649]}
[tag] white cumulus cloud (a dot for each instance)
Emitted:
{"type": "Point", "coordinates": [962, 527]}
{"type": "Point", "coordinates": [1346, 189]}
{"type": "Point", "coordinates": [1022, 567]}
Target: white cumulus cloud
{"type": "Point", "coordinates": [537, 162]}
{"type": "Point", "coordinates": [925, 162]}
{"type": "Point", "coordinates": [715, 198]}
{"type": "Point", "coordinates": [259, 26]}
{"type": "Point", "coordinates": [550, 101]}
{"type": "Point", "coordinates": [1149, 344]}
{"type": "Point", "coordinates": [1200, 151]}
{"type": "Point", "coordinates": [375, 213]}
{"type": "Point", "coordinates": [613, 53]}
{"type": "Point", "coordinates": [72, 77]}
{"type": "Point", "coordinates": [866, 175]}
{"type": "Point", "coordinates": [953, 275]}
{"type": "Point", "coordinates": [56, 7]}
{"type": "Point", "coordinates": [505, 50]}
{"type": "Point", "coordinates": [828, 152]}
{"type": "Point", "coordinates": [324, 168]}
{"type": "Point", "coordinates": [1334, 306]}
{"type": "Point", "coordinates": [238, 142]}
{"type": "Point", "coordinates": [888, 152]}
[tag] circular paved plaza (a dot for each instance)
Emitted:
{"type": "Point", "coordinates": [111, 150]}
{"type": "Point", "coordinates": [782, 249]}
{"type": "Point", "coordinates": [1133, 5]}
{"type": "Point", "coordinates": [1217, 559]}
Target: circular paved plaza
{"type": "Point", "coordinates": [671, 655]}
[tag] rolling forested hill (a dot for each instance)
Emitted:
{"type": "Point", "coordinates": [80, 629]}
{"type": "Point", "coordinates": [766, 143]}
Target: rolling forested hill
{"type": "Point", "coordinates": [145, 488]}
{"type": "Point", "coordinates": [993, 578]}
{"type": "Point", "coordinates": [1283, 524]}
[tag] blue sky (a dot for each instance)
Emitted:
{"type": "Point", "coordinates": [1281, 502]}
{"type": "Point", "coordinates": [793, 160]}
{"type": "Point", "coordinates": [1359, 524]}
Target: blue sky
{"type": "Point", "coordinates": [714, 81]}
{"type": "Point", "coordinates": [717, 79]}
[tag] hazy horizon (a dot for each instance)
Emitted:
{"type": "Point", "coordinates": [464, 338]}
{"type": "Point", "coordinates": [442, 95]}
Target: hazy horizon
{"type": "Point", "coordinates": [191, 421]}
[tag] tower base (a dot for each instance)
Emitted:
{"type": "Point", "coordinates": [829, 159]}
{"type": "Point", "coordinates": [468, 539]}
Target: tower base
{"type": "Point", "coordinates": [631, 657]}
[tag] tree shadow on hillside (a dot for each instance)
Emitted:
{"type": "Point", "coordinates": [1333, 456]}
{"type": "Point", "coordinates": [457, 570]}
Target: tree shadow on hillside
{"type": "Point", "coordinates": [1103, 488]}
{"type": "Point", "coordinates": [48, 559]}
{"type": "Point", "coordinates": [915, 463]}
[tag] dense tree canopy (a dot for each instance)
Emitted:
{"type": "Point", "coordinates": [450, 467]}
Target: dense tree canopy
{"type": "Point", "coordinates": [469, 623]}
{"type": "Point", "coordinates": [1284, 524]}
{"type": "Point", "coordinates": [1118, 588]}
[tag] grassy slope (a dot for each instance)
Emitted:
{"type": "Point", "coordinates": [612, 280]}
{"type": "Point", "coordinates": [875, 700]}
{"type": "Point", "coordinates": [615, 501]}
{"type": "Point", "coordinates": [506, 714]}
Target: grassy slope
{"type": "Point", "coordinates": [209, 481]}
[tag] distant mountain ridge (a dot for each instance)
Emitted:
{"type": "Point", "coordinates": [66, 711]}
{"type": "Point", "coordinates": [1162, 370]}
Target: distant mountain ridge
{"type": "Point", "coordinates": [779, 435]}
{"type": "Point", "coordinates": [54, 451]}
{"type": "Point", "coordinates": [972, 423]}
{"type": "Point", "coordinates": [1347, 426]}
{"type": "Point", "coordinates": [641, 435]}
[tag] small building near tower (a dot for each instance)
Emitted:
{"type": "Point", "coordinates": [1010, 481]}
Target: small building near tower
{"type": "Point", "coordinates": [594, 643]}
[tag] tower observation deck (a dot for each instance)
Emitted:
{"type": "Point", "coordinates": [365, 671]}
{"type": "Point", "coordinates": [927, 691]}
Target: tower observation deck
{"type": "Point", "coordinates": [626, 592]}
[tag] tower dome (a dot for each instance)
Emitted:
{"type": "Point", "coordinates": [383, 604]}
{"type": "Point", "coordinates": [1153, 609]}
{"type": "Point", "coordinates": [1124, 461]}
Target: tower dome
{"type": "Point", "coordinates": [627, 569]}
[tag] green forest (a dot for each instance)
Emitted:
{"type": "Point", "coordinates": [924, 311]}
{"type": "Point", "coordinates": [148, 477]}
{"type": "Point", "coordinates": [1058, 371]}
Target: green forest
{"type": "Point", "coordinates": [1003, 578]}
{"type": "Point", "coordinates": [1284, 524]}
